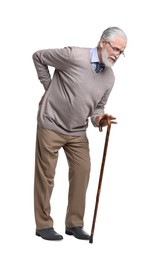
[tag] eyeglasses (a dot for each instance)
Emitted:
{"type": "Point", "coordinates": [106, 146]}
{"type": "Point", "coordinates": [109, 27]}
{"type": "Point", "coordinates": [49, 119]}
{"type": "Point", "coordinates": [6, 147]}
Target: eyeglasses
{"type": "Point", "coordinates": [117, 50]}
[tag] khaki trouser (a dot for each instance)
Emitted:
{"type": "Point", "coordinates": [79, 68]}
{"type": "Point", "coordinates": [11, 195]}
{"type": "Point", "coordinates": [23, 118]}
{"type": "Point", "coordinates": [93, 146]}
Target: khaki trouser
{"type": "Point", "coordinates": [77, 152]}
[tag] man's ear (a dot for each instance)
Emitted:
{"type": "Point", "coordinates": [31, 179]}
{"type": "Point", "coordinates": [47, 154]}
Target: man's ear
{"type": "Point", "coordinates": [102, 43]}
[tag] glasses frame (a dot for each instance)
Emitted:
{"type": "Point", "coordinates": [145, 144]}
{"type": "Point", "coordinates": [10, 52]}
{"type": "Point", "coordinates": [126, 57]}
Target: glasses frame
{"type": "Point", "coordinates": [117, 50]}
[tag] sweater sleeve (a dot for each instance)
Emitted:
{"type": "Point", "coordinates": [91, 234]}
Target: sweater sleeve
{"type": "Point", "coordinates": [57, 58]}
{"type": "Point", "coordinates": [100, 107]}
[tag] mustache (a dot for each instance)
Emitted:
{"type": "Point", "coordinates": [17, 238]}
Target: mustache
{"type": "Point", "coordinates": [113, 57]}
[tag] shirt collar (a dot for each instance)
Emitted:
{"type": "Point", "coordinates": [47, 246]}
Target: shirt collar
{"type": "Point", "coordinates": [94, 55]}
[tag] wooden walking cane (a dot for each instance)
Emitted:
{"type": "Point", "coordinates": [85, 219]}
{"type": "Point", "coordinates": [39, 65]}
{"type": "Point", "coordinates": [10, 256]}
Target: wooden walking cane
{"type": "Point", "coordinates": [109, 122]}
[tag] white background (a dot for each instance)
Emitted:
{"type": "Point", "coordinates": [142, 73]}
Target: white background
{"type": "Point", "coordinates": [124, 225]}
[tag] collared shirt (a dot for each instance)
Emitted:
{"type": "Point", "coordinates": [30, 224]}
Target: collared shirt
{"type": "Point", "coordinates": [94, 58]}
{"type": "Point", "coordinates": [94, 55]}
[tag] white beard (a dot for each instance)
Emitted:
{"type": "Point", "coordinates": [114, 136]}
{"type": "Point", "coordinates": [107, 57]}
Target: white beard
{"type": "Point", "coordinates": [105, 59]}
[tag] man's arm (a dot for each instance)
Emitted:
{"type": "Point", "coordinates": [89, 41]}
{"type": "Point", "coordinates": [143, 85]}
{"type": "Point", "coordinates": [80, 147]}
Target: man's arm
{"type": "Point", "coordinates": [57, 58]}
{"type": "Point", "coordinates": [99, 111]}
{"type": "Point", "coordinates": [42, 69]}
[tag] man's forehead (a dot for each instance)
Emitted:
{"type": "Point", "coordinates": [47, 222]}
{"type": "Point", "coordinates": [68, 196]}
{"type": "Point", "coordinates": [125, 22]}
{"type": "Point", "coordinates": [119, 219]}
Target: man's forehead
{"type": "Point", "coordinates": [119, 42]}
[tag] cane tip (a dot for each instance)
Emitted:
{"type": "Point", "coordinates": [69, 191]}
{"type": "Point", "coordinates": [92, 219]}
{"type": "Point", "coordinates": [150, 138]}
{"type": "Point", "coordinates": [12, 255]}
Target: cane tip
{"type": "Point", "coordinates": [91, 240]}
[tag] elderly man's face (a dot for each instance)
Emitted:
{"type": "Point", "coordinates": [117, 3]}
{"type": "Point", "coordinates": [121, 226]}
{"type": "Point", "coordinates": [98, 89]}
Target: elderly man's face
{"type": "Point", "coordinates": [111, 50]}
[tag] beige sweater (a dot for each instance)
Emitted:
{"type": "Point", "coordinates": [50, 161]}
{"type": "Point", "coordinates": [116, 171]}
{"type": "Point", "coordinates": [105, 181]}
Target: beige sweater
{"type": "Point", "coordinates": [75, 92]}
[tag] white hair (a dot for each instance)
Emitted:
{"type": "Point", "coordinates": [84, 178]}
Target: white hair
{"type": "Point", "coordinates": [111, 32]}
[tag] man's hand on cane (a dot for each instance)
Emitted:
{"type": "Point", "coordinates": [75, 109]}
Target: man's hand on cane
{"type": "Point", "coordinates": [102, 120]}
